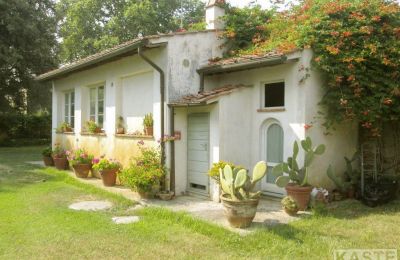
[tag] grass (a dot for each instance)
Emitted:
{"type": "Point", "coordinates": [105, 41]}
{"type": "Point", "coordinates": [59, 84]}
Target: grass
{"type": "Point", "coordinates": [35, 222]}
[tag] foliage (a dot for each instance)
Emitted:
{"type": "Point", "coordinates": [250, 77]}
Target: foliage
{"type": "Point", "coordinates": [106, 164]}
{"type": "Point", "coordinates": [289, 203]}
{"type": "Point", "coordinates": [356, 46]}
{"type": "Point", "coordinates": [214, 171]}
{"type": "Point", "coordinates": [296, 174]}
{"type": "Point", "coordinates": [351, 176]}
{"type": "Point", "coordinates": [145, 170]}
{"type": "Point", "coordinates": [238, 185]}
{"type": "Point", "coordinates": [244, 27]}
{"type": "Point", "coordinates": [59, 152]}
{"type": "Point", "coordinates": [28, 47]}
{"type": "Point", "coordinates": [79, 156]}
{"type": "Point", "coordinates": [47, 152]}
{"type": "Point", "coordinates": [64, 127]}
{"type": "Point", "coordinates": [89, 26]}
{"type": "Point", "coordinates": [148, 120]}
{"type": "Point", "coordinates": [92, 127]}
{"type": "Point", "coordinates": [21, 126]}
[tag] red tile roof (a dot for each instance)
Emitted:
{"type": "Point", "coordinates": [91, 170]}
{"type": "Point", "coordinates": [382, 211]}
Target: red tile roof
{"type": "Point", "coordinates": [205, 96]}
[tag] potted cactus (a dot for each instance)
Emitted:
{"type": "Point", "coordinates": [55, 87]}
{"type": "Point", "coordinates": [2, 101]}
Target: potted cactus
{"type": "Point", "coordinates": [290, 206]}
{"type": "Point", "coordinates": [295, 179]}
{"type": "Point", "coordinates": [148, 124]}
{"type": "Point", "coordinates": [240, 203]}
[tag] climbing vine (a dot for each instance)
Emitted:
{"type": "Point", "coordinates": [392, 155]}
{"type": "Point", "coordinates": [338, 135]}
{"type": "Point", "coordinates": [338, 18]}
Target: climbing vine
{"type": "Point", "coordinates": [356, 45]}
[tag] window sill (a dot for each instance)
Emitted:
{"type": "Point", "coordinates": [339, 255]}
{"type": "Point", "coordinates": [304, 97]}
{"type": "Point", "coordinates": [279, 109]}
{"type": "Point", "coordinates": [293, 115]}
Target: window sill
{"type": "Point", "coordinates": [93, 134]}
{"type": "Point", "coordinates": [272, 109]}
{"type": "Point", "coordinates": [142, 137]}
{"type": "Point", "coordinates": [65, 133]}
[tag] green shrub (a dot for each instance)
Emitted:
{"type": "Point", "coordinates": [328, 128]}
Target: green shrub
{"type": "Point", "coordinates": [214, 171]}
{"type": "Point", "coordinates": [145, 171]}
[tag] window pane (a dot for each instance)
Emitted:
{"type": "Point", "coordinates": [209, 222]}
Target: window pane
{"type": "Point", "coordinates": [101, 107]}
{"type": "Point", "coordinates": [275, 94]}
{"type": "Point", "coordinates": [72, 123]}
{"type": "Point", "coordinates": [92, 118]}
{"type": "Point", "coordinates": [101, 93]}
{"type": "Point", "coordinates": [73, 97]}
{"type": "Point", "coordinates": [66, 111]}
{"type": "Point", "coordinates": [270, 177]}
{"type": "Point", "coordinates": [275, 144]}
{"type": "Point", "coordinates": [100, 122]}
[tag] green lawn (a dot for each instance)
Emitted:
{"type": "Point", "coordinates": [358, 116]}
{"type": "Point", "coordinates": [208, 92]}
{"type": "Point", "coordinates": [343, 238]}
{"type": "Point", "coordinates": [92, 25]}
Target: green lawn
{"type": "Point", "coordinates": [35, 222]}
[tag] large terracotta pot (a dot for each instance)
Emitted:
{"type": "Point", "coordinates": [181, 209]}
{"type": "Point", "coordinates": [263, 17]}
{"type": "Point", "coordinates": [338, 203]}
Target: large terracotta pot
{"type": "Point", "coordinates": [240, 214]}
{"type": "Point", "coordinates": [82, 170]}
{"type": "Point", "coordinates": [48, 161]}
{"type": "Point", "coordinates": [109, 177]}
{"type": "Point", "coordinates": [300, 194]}
{"type": "Point", "coordinates": [60, 163]}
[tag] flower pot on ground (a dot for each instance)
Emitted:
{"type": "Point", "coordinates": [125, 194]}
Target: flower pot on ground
{"type": "Point", "coordinates": [60, 158]}
{"type": "Point", "coordinates": [290, 206]}
{"type": "Point", "coordinates": [81, 162]}
{"type": "Point", "coordinates": [145, 172]}
{"type": "Point", "coordinates": [108, 170]}
{"type": "Point", "coordinates": [295, 179]}
{"type": "Point", "coordinates": [148, 124]}
{"type": "Point", "coordinates": [47, 158]}
{"type": "Point", "coordinates": [240, 204]}
{"type": "Point", "coordinates": [166, 195]}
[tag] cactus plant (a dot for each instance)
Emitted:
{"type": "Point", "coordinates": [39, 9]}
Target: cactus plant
{"type": "Point", "coordinates": [295, 174]}
{"type": "Point", "coordinates": [352, 176]}
{"type": "Point", "coordinates": [238, 185]}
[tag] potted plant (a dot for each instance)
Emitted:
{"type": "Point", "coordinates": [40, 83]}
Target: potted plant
{"type": "Point", "coordinates": [290, 206]}
{"type": "Point", "coordinates": [240, 204]}
{"type": "Point", "coordinates": [166, 195]}
{"type": "Point", "coordinates": [347, 185]}
{"type": "Point", "coordinates": [64, 128]}
{"type": "Point", "coordinates": [81, 162]}
{"type": "Point", "coordinates": [145, 172]}
{"type": "Point", "coordinates": [120, 126]}
{"type": "Point", "coordinates": [108, 170]}
{"type": "Point", "coordinates": [148, 124]}
{"type": "Point", "coordinates": [380, 191]}
{"type": "Point", "coordinates": [47, 159]}
{"type": "Point", "coordinates": [95, 173]}
{"type": "Point", "coordinates": [60, 158]}
{"type": "Point", "coordinates": [92, 127]}
{"type": "Point", "coordinates": [295, 178]}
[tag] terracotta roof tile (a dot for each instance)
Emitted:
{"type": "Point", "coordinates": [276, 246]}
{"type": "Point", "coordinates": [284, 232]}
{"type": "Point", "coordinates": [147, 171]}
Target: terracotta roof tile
{"type": "Point", "coordinates": [203, 97]}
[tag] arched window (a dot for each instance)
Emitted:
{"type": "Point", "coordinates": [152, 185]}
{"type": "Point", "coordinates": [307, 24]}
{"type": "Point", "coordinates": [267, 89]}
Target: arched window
{"type": "Point", "coordinates": [274, 148]}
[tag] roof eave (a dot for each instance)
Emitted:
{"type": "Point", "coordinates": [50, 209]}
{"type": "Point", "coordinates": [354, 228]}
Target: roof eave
{"type": "Point", "coordinates": [245, 65]}
{"type": "Point", "coordinates": [107, 57]}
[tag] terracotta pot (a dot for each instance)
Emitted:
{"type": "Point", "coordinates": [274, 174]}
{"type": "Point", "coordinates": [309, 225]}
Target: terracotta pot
{"type": "Point", "coordinates": [291, 212]}
{"type": "Point", "coordinates": [109, 177]}
{"type": "Point", "coordinates": [148, 131]}
{"type": "Point", "coordinates": [60, 163]}
{"type": "Point", "coordinates": [240, 214]}
{"type": "Point", "coordinates": [82, 170]}
{"type": "Point", "coordinates": [48, 161]}
{"type": "Point", "coordinates": [300, 194]}
{"type": "Point", "coordinates": [120, 130]}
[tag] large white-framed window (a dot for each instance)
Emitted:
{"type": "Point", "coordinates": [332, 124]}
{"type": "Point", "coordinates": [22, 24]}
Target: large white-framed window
{"type": "Point", "coordinates": [69, 108]}
{"type": "Point", "coordinates": [273, 94]}
{"type": "Point", "coordinates": [96, 105]}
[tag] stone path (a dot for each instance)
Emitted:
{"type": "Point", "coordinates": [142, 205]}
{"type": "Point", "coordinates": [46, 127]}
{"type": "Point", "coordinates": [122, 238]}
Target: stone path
{"type": "Point", "coordinates": [269, 210]}
{"type": "Point", "coordinates": [125, 219]}
{"type": "Point", "coordinates": [91, 205]}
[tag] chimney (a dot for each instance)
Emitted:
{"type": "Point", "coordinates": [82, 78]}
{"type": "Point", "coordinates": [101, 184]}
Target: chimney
{"type": "Point", "coordinates": [214, 13]}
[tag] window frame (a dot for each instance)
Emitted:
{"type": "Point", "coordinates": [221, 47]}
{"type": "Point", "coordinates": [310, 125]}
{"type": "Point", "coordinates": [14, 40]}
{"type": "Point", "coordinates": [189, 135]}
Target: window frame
{"type": "Point", "coordinates": [262, 96]}
{"type": "Point", "coordinates": [96, 113]}
{"type": "Point", "coordinates": [70, 117]}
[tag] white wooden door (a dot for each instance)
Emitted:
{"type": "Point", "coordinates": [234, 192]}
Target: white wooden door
{"type": "Point", "coordinates": [198, 153]}
{"type": "Point", "coordinates": [273, 153]}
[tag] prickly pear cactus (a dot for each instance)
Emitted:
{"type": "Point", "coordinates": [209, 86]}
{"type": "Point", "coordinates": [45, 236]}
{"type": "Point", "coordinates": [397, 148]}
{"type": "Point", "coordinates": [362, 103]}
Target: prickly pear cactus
{"type": "Point", "coordinates": [237, 184]}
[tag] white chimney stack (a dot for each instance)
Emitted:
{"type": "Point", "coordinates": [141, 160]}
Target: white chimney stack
{"type": "Point", "coordinates": [214, 13]}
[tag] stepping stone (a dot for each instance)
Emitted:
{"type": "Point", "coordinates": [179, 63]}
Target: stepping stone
{"type": "Point", "coordinates": [136, 207]}
{"type": "Point", "coordinates": [125, 220]}
{"type": "Point", "coordinates": [91, 205]}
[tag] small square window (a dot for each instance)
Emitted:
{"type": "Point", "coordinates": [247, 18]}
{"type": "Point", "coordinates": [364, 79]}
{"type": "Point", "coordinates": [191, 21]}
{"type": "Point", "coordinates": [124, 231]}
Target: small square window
{"type": "Point", "coordinates": [274, 95]}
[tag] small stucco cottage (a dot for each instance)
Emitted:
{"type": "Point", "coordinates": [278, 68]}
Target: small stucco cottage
{"type": "Point", "coordinates": [241, 110]}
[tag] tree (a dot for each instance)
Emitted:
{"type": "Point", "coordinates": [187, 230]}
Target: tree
{"type": "Point", "coordinates": [89, 26]}
{"type": "Point", "coordinates": [27, 47]}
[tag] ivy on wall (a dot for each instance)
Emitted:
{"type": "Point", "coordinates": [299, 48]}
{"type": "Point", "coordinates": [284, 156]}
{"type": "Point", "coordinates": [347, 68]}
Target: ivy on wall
{"type": "Point", "coordinates": [356, 46]}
